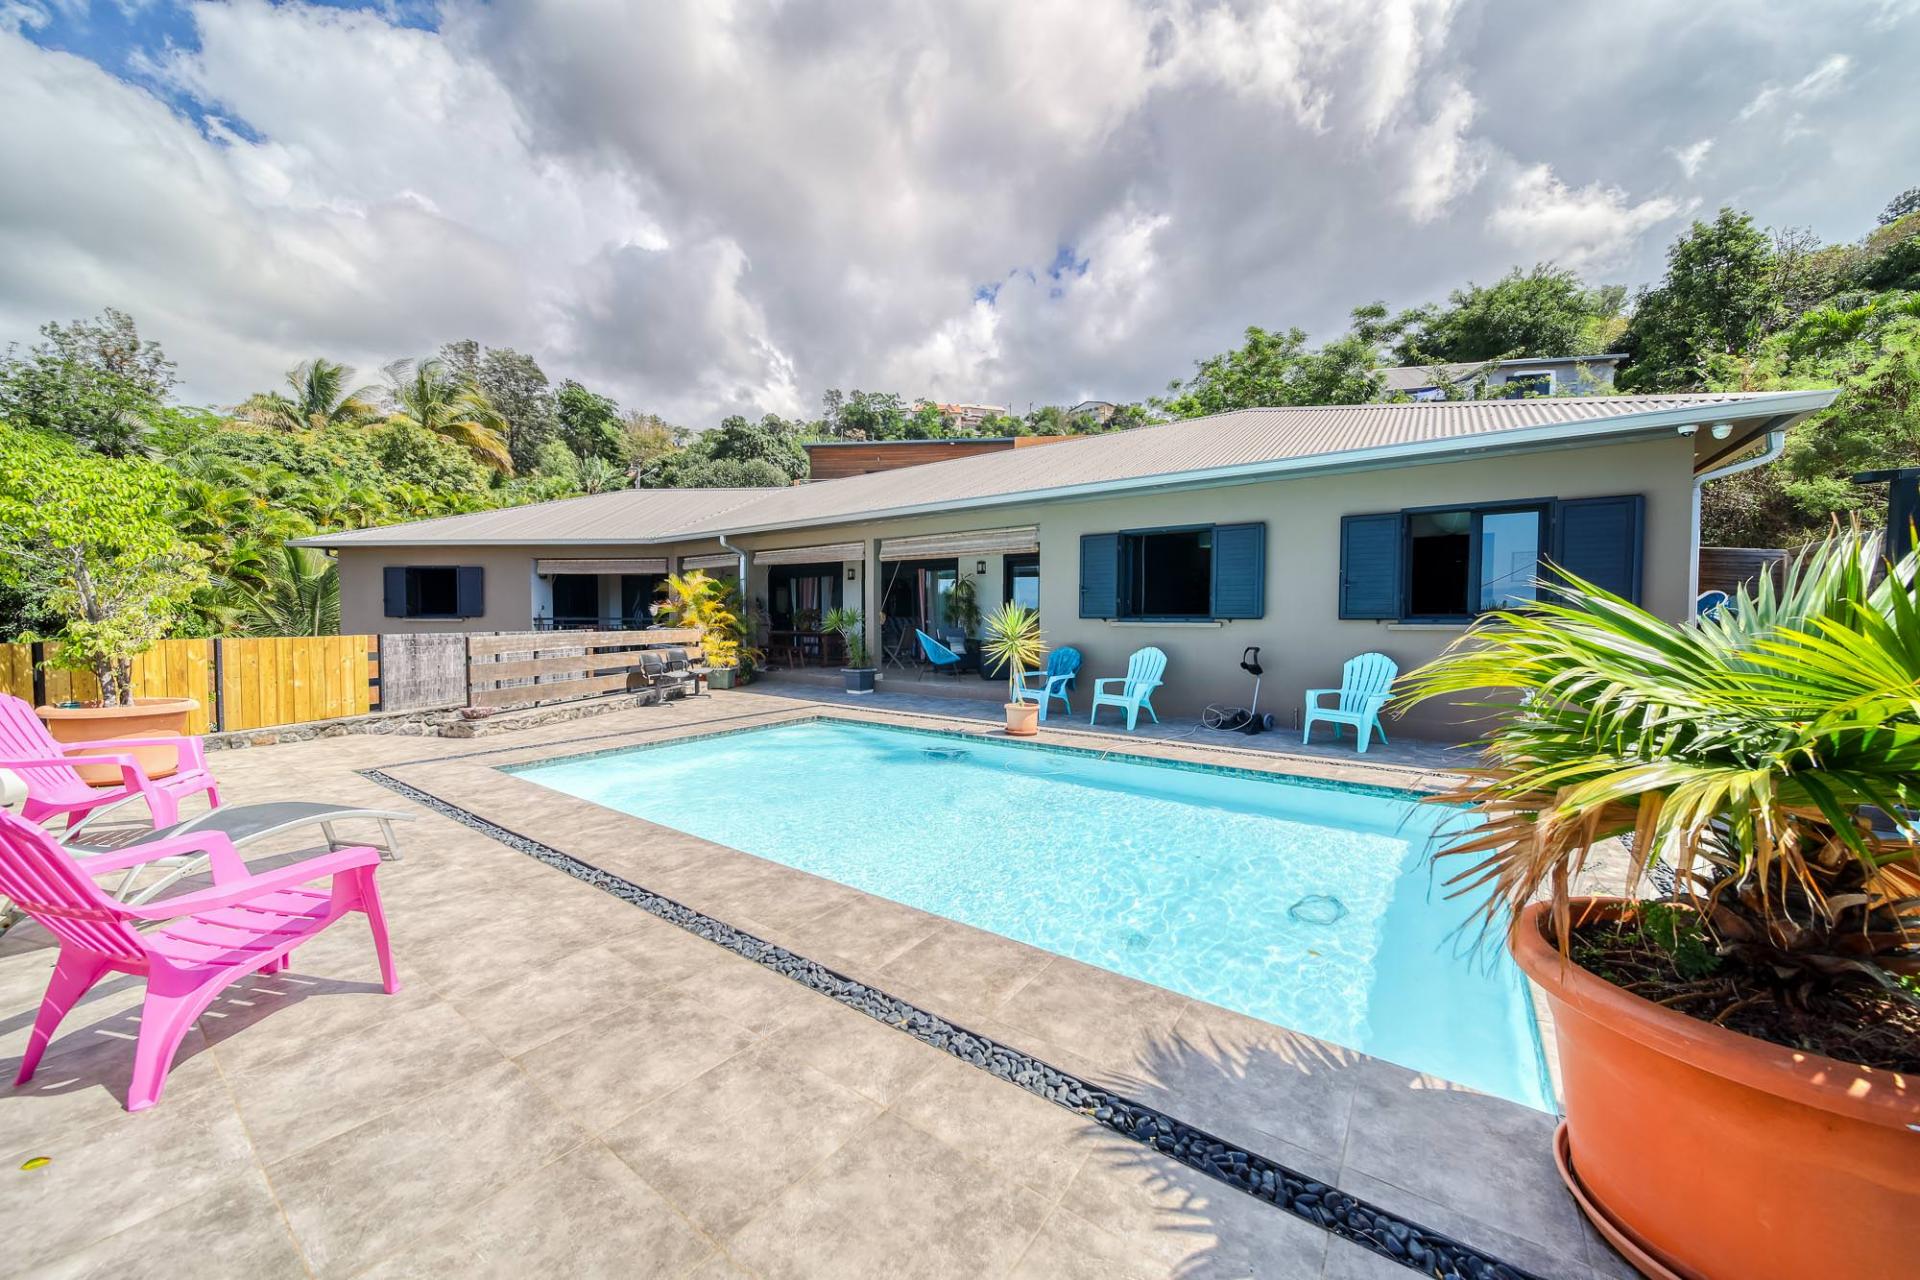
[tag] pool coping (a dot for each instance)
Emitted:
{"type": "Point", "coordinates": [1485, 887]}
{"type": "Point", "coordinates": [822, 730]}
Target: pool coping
{"type": "Point", "coordinates": [1386, 1234]}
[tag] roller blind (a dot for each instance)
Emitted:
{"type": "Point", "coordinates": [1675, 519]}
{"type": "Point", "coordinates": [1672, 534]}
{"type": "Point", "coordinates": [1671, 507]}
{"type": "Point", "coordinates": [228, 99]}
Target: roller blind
{"type": "Point", "coordinates": [652, 564]}
{"type": "Point", "coordinates": [724, 560]}
{"type": "Point", "coordinates": [831, 552]}
{"type": "Point", "coordinates": [973, 542]}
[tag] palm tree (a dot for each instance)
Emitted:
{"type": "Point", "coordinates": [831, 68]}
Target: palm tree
{"type": "Point", "coordinates": [696, 600]}
{"type": "Point", "coordinates": [1748, 752]}
{"type": "Point", "coordinates": [595, 474]}
{"type": "Point", "coordinates": [428, 394]}
{"type": "Point", "coordinates": [300, 596]}
{"type": "Point", "coordinates": [320, 398]}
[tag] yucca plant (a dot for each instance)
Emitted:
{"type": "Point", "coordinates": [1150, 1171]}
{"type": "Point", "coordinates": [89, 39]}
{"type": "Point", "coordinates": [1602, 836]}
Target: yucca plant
{"type": "Point", "coordinates": [851, 627]}
{"type": "Point", "coordinates": [1769, 755]}
{"type": "Point", "coordinates": [1011, 637]}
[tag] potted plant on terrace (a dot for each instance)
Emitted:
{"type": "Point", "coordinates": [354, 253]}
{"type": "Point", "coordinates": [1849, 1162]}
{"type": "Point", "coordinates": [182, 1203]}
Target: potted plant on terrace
{"type": "Point", "coordinates": [1740, 1056]}
{"type": "Point", "coordinates": [91, 539]}
{"type": "Point", "coordinates": [851, 627]}
{"type": "Point", "coordinates": [1011, 637]}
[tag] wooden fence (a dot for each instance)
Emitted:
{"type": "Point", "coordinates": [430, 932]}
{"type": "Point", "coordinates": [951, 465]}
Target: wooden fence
{"type": "Point", "coordinates": [517, 668]}
{"type": "Point", "coordinates": [244, 683]}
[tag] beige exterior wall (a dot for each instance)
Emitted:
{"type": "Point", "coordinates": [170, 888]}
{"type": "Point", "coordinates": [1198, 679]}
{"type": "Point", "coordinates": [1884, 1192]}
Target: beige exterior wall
{"type": "Point", "coordinates": [510, 582]}
{"type": "Point", "coordinates": [1302, 641]}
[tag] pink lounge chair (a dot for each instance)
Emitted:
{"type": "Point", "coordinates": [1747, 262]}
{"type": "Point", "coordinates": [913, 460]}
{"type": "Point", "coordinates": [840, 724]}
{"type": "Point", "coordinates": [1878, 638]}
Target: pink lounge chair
{"type": "Point", "coordinates": [243, 924]}
{"type": "Point", "coordinates": [54, 786]}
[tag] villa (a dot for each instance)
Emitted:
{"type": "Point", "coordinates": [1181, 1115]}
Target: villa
{"type": "Point", "coordinates": [1316, 533]}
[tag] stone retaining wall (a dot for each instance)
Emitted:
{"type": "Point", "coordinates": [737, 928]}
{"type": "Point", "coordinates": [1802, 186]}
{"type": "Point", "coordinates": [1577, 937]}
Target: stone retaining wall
{"type": "Point", "coordinates": [441, 723]}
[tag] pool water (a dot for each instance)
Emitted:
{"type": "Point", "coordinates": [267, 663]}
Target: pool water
{"type": "Point", "coordinates": [1309, 906]}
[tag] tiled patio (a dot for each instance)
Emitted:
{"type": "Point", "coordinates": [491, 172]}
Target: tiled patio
{"type": "Point", "coordinates": [568, 1085]}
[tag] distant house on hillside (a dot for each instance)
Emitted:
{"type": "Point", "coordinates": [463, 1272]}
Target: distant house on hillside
{"type": "Point", "coordinates": [969, 417]}
{"type": "Point", "coordinates": [1553, 375]}
{"type": "Point", "coordinates": [1100, 411]}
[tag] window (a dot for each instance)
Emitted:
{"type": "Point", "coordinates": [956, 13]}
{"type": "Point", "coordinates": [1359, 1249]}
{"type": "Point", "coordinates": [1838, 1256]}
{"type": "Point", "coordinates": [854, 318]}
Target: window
{"type": "Point", "coordinates": [1023, 581]}
{"type": "Point", "coordinates": [1169, 575]}
{"type": "Point", "coordinates": [1527, 382]}
{"type": "Point", "coordinates": [433, 591]}
{"type": "Point", "coordinates": [1448, 564]}
{"type": "Point", "coordinates": [1470, 560]}
{"type": "Point", "coordinates": [1192, 574]}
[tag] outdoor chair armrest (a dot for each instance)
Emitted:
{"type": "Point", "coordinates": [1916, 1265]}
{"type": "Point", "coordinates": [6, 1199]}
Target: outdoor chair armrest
{"type": "Point", "coordinates": [1098, 685]}
{"type": "Point", "coordinates": [250, 887]}
{"type": "Point", "coordinates": [1313, 696]}
{"type": "Point", "coordinates": [227, 864]}
{"type": "Point", "coordinates": [130, 772]}
{"type": "Point", "coordinates": [1063, 679]}
{"type": "Point", "coordinates": [189, 748]}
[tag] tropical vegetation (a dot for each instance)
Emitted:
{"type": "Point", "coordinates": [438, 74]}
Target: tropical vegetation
{"type": "Point", "coordinates": [1011, 638]}
{"type": "Point", "coordinates": [851, 626]}
{"type": "Point", "coordinates": [1768, 759]}
{"type": "Point", "coordinates": [697, 600]}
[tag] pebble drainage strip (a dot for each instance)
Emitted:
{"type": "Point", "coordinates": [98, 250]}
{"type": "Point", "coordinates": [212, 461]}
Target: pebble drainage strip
{"type": "Point", "coordinates": [1334, 1211]}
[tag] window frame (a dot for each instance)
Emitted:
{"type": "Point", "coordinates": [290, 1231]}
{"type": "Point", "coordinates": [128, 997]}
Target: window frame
{"type": "Point", "coordinates": [1477, 513]}
{"type": "Point", "coordinates": [412, 593]}
{"type": "Point", "coordinates": [1012, 562]}
{"type": "Point", "coordinates": [1128, 541]}
{"type": "Point", "coordinates": [1508, 376]}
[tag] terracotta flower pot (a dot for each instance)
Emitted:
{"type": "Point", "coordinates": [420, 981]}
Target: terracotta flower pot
{"type": "Point", "coordinates": [146, 718]}
{"type": "Point", "coordinates": [1717, 1155]}
{"type": "Point", "coordinates": [1023, 719]}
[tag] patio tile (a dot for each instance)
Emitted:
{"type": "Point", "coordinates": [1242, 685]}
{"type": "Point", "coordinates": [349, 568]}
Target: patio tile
{"type": "Point", "coordinates": [1071, 1248]}
{"type": "Point", "coordinates": [359, 1196]}
{"type": "Point", "coordinates": [1103, 1015]}
{"type": "Point", "coordinates": [862, 934]}
{"type": "Point", "coordinates": [756, 997]}
{"type": "Point", "coordinates": [268, 1018]}
{"type": "Point", "coordinates": [1541, 1259]}
{"type": "Point", "coordinates": [83, 1082]}
{"type": "Point", "coordinates": [604, 1071]}
{"type": "Point", "coordinates": [961, 972]}
{"type": "Point", "coordinates": [854, 1050]}
{"type": "Point", "coordinates": [1484, 1157]}
{"type": "Point", "coordinates": [529, 1009]}
{"type": "Point", "coordinates": [116, 1174]}
{"type": "Point", "coordinates": [233, 1228]}
{"type": "Point", "coordinates": [724, 1144]}
{"type": "Point", "coordinates": [295, 1102]}
{"type": "Point", "coordinates": [719, 1266]}
{"type": "Point", "coordinates": [895, 1202]}
{"type": "Point", "coordinates": [1348, 1261]}
{"type": "Point", "coordinates": [1183, 1222]}
{"type": "Point", "coordinates": [1041, 1145]}
{"type": "Point", "coordinates": [666, 951]}
{"type": "Point", "coordinates": [534, 1228]}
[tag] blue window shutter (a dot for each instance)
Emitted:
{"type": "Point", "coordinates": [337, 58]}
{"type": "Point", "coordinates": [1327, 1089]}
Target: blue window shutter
{"type": "Point", "coordinates": [1370, 566]}
{"type": "Point", "coordinates": [1601, 540]}
{"type": "Point", "coordinates": [393, 590]}
{"type": "Point", "coordinates": [472, 594]}
{"type": "Point", "coordinates": [1239, 571]}
{"type": "Point", "coordinates": [1099, 575]}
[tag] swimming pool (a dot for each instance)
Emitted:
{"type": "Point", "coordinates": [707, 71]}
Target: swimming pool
{"type": "Point", "coordinates": [1307, 905]}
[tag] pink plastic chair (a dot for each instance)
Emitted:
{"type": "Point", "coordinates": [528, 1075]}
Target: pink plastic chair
{"type": "Point", "coordinates": [243, 924]}
{"type": "Point", "coordinates": [55, 787]}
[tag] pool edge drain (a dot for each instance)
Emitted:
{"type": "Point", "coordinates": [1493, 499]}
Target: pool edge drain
{"type": "Point", "coordinates": [1348, 1217]}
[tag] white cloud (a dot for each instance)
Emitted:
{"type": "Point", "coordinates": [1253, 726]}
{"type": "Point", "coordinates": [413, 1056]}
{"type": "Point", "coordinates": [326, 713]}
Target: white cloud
{"type": "Point", "coordinates": [1692, 156]}
{"type": "Point", "coordinates": [1819, 83]}
{"type": "Point", "coordinates": [706, 208]}
{"type": "Point", "coordinates": [1586, 228]}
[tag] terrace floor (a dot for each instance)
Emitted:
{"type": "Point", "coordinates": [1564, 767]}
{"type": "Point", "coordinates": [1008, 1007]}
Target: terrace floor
{"type": "Point", "coordinates": [569, 1085]}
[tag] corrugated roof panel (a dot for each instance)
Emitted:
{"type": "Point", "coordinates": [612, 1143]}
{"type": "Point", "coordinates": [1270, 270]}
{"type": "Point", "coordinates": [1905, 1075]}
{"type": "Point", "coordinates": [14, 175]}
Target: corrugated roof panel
{"type": "Point", "coordinates": [1246, 438]}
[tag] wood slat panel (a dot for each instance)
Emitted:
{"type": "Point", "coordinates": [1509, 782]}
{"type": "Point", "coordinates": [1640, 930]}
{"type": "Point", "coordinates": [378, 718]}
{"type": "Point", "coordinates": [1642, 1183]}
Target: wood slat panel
{"type": "Point", "coordinates": [16, 670]}
{"type": "Point", "coordinates": [534, 641]}
{"type": "Point", "coordinates": [555, 692]}
{"type": "Point", "coordinates": [487, 674]}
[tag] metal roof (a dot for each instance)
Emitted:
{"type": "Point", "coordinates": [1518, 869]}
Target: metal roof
{"type": "Point", "coordinates": [1226, 448]}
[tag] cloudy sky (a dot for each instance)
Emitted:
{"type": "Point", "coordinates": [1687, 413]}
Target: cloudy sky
{"type": "Point", "coordinates": [709, 206]}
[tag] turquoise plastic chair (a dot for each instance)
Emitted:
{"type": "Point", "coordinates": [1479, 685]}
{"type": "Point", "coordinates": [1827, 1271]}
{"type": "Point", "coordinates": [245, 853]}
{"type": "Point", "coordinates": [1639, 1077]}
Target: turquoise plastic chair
{"type": "Point", "coordinates": [1144, 670]}
{"type": "Point", "coordinates": [942, 658]}
{"type": "Point", "coordinates": [1063, 664]}
{"type": "Point", "coordinates": [1366, 685]}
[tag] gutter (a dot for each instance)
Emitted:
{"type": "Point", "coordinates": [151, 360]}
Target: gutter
{"type": "Point", "coordinates": [1776, 444]}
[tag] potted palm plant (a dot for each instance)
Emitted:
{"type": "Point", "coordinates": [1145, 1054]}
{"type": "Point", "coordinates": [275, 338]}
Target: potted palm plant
{"type": "Point", "coordinates": [1011, 637]}
{"type": "Point", "coordinates": [851, 627]}
{"type": "Point", "coordinates": [1740, 1054]}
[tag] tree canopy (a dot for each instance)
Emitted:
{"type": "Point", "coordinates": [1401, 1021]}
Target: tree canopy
{"type": "Point", "coordinates": [1545, 311]}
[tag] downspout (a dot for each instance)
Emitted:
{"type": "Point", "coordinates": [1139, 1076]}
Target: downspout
{"type": "Point", "coordinates": [1775, 446]}
{"type": "Point", "coordinates": [746, 601]}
